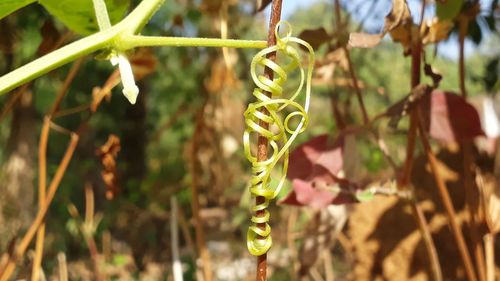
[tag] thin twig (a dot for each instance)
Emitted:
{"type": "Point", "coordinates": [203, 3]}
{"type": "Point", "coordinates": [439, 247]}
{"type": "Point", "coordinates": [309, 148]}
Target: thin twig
{"type": "Point", "coordinates": [446, 200]}
{"type": "Point", "coordinates": [404, 180]}
{"type": "Point", "coordinates": [471, 191]}
{"type": "Point", "coordinates": [352, 72]}
{"type": "Point", "coordinates": [489, 245]}
{"type": "Point", "coordinates": [174, 236]}
{"type": "Point", "coordinates": [42, 165]}
{"type": "Point", "coordinates": [89, 236]}
{"type": "Point", "coordinates": [63, 268]}
{"type": "Point", "coordinates": [355, 83]}
{"type": "Point", "coordinates": [262, 142]}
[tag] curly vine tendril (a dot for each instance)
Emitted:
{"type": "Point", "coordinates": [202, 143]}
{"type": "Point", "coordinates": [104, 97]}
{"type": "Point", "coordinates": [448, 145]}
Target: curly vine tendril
{"type": "Point", "coordinates": [279, 133]}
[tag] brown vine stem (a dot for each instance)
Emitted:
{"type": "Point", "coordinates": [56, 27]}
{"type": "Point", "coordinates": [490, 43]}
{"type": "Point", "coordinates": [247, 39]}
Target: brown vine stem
{"type": "Point", "coordinates": [471, 191]}
{"type": "Point", "coordinates": [42, 165]}
{"type": "Point", "coordinates": [445, 198]}
{"type": "Point", "coordinates": [403, 181]}
{"type": "Point", "coordinates": [352, 72]}
{"type": "Point", "coordinates": [355, 84]}
{"type": "Point", "coordinates": [262, 142]}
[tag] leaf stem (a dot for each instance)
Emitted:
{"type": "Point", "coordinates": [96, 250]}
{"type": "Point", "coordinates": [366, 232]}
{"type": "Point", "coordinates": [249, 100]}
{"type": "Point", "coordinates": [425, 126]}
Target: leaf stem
{"type": "Point", "coordinates": [55, 59]}
{"type": "Point", "coordinates": [129, 42]}
{"type": "Point", "coordinates": [101, 14]}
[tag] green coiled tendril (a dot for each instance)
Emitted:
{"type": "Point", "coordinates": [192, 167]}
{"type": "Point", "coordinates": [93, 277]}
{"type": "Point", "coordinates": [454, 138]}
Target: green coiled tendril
{"type": "Point", "coordinates": [279, 132]}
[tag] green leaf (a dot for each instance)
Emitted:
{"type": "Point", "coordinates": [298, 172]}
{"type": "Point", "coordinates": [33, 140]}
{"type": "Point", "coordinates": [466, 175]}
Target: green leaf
{"type": "Point", "coordinates": [79, 16]}
{"type": "Point", "coordinates": [9, 6]}
{"type": "Point", "coordinates": [365, 195]}
{"type": "Point", "coordinates": [448, 10]}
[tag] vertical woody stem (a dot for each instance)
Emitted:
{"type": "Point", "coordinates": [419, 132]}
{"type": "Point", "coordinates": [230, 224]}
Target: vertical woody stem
{"type": "Point", "coordinates": [262, 142]}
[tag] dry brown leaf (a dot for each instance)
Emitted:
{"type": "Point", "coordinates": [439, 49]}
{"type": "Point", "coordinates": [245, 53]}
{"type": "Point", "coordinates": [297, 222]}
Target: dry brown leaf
{"type": "Point", "coordinates": [398, 23]}
{"type": "Point", "coordinates": [143, 63]}
{"type": "Point", "coordinates": [435, 30]}
{"type": "Point", "coordinates": [399, 14]}
{"type": "Point", "coordinates": [403, 34]}
{"type": "Point", "coordinates": [50, 37]}
{"type": "Point", "coordinates": [433, 74]}
{"type": "Point", "coordinates": [364, 40]}
{"type": "Point", "coordinates": [325, 67]}
{"type": "Point", "coordinates": [98, 94]}
{"type": "Point", "coordinates": [315, 37]}
{"type": "Point", "coordinates": [108, 153]}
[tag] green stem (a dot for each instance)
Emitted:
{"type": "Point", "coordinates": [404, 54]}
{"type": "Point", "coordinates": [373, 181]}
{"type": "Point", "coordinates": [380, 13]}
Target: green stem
{"type": "Point", "coordinates": [120, 37]}
{"type": "Point", "coordinates": [101, 14]}
{"type": "Point", "coordinates": [55, 59]}
{"type": "Point", "coordinates": [129, 42]}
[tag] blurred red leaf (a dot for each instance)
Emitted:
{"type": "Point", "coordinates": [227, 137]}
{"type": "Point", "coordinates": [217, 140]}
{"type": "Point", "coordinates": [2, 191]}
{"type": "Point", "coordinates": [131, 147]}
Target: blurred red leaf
{"type": "Point", "coordinates": [304, 194]}
{"type": "Point", "coordinates": [307, 160]}
{"type": "Point", "coordinates": [450, 118]}
{"type": "Point", "coordinates": [314, 170]}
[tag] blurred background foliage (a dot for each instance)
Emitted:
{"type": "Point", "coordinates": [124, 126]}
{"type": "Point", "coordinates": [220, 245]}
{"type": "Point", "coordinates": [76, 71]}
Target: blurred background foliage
{"type": "Point", "coordinates": [193, 100]}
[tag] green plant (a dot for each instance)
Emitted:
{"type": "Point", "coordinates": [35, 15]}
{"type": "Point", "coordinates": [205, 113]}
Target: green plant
{"type": "Point", "coordinates": [114, 41]}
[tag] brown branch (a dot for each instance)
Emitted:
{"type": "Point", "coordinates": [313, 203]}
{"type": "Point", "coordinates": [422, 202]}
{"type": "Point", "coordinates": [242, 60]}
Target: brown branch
{"type": "Point", "coordinates": [262, 142]}
{"type": "Point", "coordinates": [355, 83]}
{"type": "Point", "coordinates": [404, 179]}
{"type": "Point", "coordinates": [42, 165]}
{"type": "Point", "coordinates": [463, 25]}
{"type": "Point", "coordinates": [352, 73]}
{"type": "Point", "coordinates": [446, 200]}
{"type": "Point", "coordinates": [472, 201]}
{"type": "Point", "coordinates": [471, 191]}
{"type": "Point", "coordinates": [42, 212]}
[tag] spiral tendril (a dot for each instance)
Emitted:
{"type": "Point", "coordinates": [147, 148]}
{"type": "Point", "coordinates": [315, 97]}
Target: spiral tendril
{"type": "Point", "coordinates": [279, 132]}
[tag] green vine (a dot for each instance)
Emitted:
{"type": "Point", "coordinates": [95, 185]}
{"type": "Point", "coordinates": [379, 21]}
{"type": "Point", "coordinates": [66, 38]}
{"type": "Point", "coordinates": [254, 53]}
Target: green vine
{"type": "Point", "coordinates": [259, 239]}
{"type": "Point", "coordinates": [120, 38]}
{"type": "Point", "coordinates": [123, 36]}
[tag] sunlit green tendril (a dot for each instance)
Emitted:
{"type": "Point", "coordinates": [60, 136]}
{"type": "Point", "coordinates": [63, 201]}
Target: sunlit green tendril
{"type": "Point", "coordinates": [280, 133]}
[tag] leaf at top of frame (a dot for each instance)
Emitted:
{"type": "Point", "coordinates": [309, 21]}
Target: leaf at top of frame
{"type": "Point", "coordinates": [262, 4]}
{"type": "Point", "coordinates": [435, 30]}
{"type": "Point", "coordinates": [398, 23]}
{"type": "Point", "coordinates": [79, 16]}
{"type": "Point", "coordinates": [399, 14]}
{"type": "Point", "coordinates": [9, 6]}
{"type": "Point", "coordinates": [449, 9]}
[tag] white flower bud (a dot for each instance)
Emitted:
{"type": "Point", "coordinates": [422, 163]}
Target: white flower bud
{"type": "Point", "coordinates": [130, 89]}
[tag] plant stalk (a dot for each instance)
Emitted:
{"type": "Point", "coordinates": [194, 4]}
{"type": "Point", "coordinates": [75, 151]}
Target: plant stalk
{"type": "Point", "coordinates": [262, 142]}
